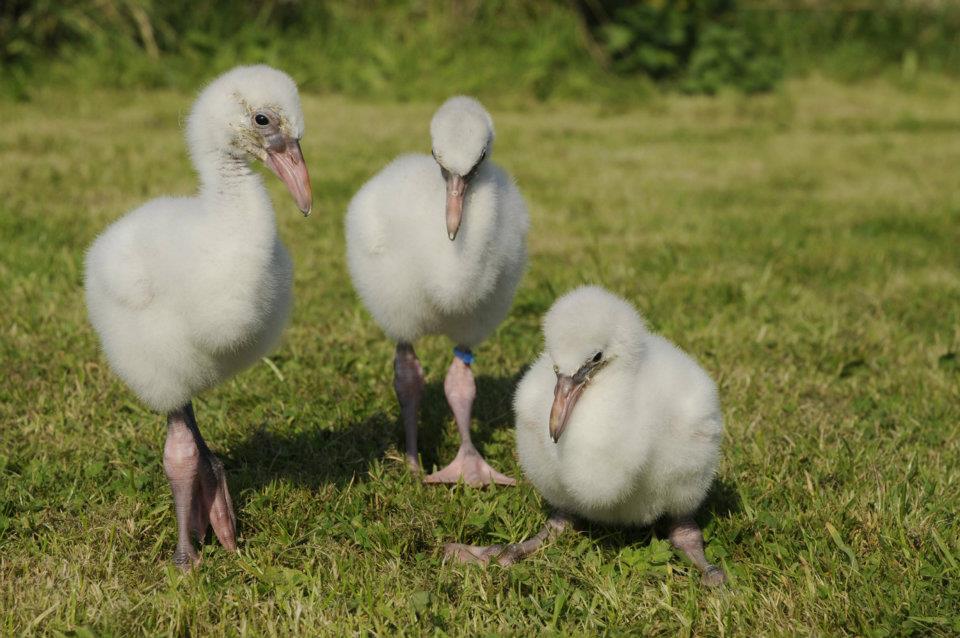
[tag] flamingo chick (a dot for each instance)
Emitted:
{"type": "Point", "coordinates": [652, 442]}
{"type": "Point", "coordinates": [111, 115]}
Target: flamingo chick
{"type": "Point", "coordinates": [616, 425]}
{"type": "Point", "coordinates": [185, 292]}
{"type": "Point", "coordinates": [437, 245]}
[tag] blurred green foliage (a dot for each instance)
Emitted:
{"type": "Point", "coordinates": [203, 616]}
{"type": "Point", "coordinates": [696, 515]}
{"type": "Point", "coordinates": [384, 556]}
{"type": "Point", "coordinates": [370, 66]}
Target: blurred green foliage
{"type": "Point", "coordinates": [854, 39]}
{"type": "Point", "coordinates": [400, 49]}
{"type": "Point", "coordinates": [703, 45]}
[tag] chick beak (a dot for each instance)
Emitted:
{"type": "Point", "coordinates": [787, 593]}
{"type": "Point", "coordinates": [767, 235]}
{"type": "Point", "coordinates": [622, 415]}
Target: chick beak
{"type": "Point", "coordinates": [456, 189]}
{"type": "Point", "coordinates": [565, 396]}
{"type": "Point", "coordinates": [286, 160]}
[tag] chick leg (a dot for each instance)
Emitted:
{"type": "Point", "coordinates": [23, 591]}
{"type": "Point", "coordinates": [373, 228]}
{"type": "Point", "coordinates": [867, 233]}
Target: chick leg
{"type": "Point", "coordinates": [199, 486]}
{"type": "Point", "coordinates": [507, 555]}
{"type": "Point", "coordinates": [408, 383]}
{"type": "Point", "coordinates": [686, 536]}
{"type": "Point", "coordinates": [469, 465]}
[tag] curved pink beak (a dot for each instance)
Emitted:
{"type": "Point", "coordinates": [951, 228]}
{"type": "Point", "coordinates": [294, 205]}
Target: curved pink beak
{"type": "Point", "coordinates": [565, 396]}
{"type": "Point", "coordinates": [286, 161]}
{"type": "Point", "coordinates": [456, 190]}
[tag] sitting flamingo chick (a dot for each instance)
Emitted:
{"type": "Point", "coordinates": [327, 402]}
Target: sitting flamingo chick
{"type": "Point", "coordinates": [437, 245]}
{"type": "Point", "coordinates": [185, 292]}
{"type": "Point", "coordinates": [615, 425]}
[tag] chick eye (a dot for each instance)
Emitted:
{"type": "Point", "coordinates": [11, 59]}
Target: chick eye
{"type": "Point", "coordinates": [476, 167]}
{"type": "Point", "coordinates": [261, 119]}
{"type": "Point", "coordinates": [597, 357]}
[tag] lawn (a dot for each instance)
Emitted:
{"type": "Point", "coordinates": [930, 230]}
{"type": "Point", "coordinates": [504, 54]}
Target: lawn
{"type": "Point", "coordinates": [804, 246]}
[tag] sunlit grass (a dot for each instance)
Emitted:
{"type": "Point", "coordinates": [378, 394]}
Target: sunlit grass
{"type": "Point", "coordinates": [804, 246]}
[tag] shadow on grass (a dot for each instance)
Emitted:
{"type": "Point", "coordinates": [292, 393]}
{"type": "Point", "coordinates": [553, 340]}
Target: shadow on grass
{"type": "Point", "coordinates": [312, 457]}
{"type": "Point", "coordinates": [723, 500]}
{"type": "Point", "coordinates": [315, 457]}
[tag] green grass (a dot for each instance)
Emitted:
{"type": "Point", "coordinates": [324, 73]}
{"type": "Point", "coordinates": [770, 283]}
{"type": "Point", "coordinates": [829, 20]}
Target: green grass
{"type": "Point", "coordinates": [802, 245]}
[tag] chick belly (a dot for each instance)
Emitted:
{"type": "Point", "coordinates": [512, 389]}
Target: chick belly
{"type": "Point", "coordinates": [392, 295]}
{"type": "Point", "coordinates": [257, 341]}
{"type": "Point", "coordinates": [151, 352]}
{"type": "Point", "coordinates": [467, 329]}
{"type": "Point", "coordinates": [674, 494]}
{"type": "Point", "coordinates": [471, 293]}
{"type": "Point", "coordinates": [576, 493]}
{"type": "Point", "coordinates": [478, 314]}
{"type": "Point", "coordinates": [450, 294]}
{"type": "Point", "coordinates": [634, 512]}
{"type": "Point", "coordinates": [409, 317]}
{"type": "Point", "coordinates": [604, 485]}
{"type": "Point", "coordinates": [230, 314]}
{"type": "Point", "coordinates": [160, 357]}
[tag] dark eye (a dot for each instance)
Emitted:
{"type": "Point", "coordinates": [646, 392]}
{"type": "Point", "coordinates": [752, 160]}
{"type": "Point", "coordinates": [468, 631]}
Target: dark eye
{"type": "Point", "coordinates": [476, 167]}
{"type": "Point", "coordinates": [261, 119]}
{"type": "Point", "coordinates": [597, 357]}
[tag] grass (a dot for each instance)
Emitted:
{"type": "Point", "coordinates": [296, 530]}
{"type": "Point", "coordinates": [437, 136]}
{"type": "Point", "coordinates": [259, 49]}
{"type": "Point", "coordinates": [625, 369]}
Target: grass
{"type": "Point", "coordinates": [802, 245]}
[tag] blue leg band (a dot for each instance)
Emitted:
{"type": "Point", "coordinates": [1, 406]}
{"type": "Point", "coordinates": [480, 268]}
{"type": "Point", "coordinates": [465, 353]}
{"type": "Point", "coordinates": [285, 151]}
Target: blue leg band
{"type": "Point", "coordinates": [464, 355]}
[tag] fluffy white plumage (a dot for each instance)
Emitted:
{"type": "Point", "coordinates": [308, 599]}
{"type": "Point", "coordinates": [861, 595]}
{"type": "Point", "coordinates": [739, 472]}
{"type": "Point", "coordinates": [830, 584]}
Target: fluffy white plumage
{"type": "Point", "coordinates": [186, 291]}
{"type": "Point", "coordinates": [410, 276]}
{"type": "Point", "coordinates": [461, 130]}
{"type": "Point", "coordinates": [642, 440]}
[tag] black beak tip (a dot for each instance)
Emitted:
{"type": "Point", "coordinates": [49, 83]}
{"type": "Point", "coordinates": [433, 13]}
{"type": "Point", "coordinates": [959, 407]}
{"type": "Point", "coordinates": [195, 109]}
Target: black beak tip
{"type": "Point", "coordinates": [452, 236]}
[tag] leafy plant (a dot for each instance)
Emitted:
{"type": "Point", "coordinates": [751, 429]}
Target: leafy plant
{"type": "Point", "coordinates": [702, 44]}
{"type": "Point", "coordinates": [728, 57]}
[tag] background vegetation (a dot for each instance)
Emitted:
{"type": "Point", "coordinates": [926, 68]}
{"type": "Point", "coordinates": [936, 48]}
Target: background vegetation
{"type": "Point", "coordinates": [425, 48]}
{"type": "Point", "coordinates": [797, 232]}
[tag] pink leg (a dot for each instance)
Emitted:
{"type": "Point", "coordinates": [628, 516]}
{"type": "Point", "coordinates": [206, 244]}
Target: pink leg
{"type": "Point", "coordinates": [408, 383]}
{"type": "Point", "coordinates": [507, 554]}
{"type": "Point", "coordinates": [468, 465]}
{"type": "Point", "coordinates": [686, 536]}
{"type": "Point", "coordinates": [199, 486]}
